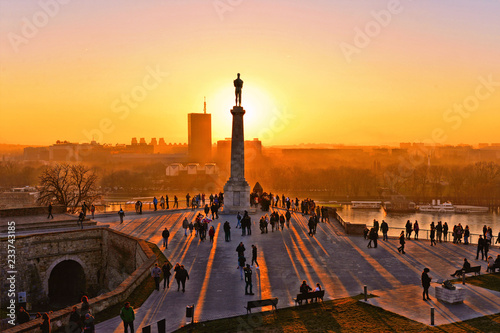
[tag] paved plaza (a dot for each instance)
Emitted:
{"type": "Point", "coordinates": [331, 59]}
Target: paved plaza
{"type": "Point", "coordinates": [341, 264]}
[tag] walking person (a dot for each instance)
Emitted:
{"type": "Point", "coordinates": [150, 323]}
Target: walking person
{"type": "Point", "coordinates": [121, 213]}
{"type": "Point", "coordinates": [156, 274]}
{"type": "Point", "coordinates": [248, 280]}
{"type": "Point", "coordinates": [92, 210]}
{"type": "Point", "coordinates": [127, 315]}
{"type": "Point", "coordinates": [401, 249]}
{"type": "Point", "coordinates": [176, 202]}
{"type": "Point", "coordinates": [254, 255]}
{"type": "Point", "coordinates": [238, 218]}
{"type": "Point", "coordinates": [166, 274]}
{"type": "Point", "coordinates": [50, 211]}
{"type": "Point", "coordinates": [181, 276]}
{"type": "Point", "coordinates": [165, 234]}
{"type": "Point", "coordinates": [211, 234]}
{"type": "Point", "coordinates": [426, 283]}
{"type": "Point", "coordinates": [185, 225]}
{"type": "Point", "coordinates": [480, 247]}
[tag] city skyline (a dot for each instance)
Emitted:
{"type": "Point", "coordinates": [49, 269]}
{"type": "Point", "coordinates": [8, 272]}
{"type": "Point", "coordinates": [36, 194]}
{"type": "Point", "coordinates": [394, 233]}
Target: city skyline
{"type": "Point", "coordinates": [354, 73]}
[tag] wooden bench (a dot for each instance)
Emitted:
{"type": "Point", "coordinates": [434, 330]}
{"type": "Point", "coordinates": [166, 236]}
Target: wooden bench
{"type": "Point", "coordinates": [311, 296]}
{"type": "Point", "coordinates": [476, 270]}
{"type": "Point", "coordinates": [260, 303]}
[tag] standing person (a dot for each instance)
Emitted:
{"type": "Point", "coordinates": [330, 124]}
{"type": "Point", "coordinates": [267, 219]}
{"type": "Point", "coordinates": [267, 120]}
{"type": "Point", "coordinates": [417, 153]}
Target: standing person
{"type": "Point", "coordinates": [156, 274]}
{"type": "Point", "coordinates": [254, 255]}
{"type": "Point", "coordinates": [211, 234]}
{"type": "Point", "coordinates": [187, 200]}
{"type": "Point", "coordinates": [88, 324]}
{"type": "Point", "coordinates": [45, 325]}
{"type": "Point", "coordinates": [288, 216]}
{"type": "Point", "coordinates": [206, 210]}
{"type": "Point", "coordinates": [248, 223]}
{"type": "Point", "coordinates": [310, 224]}
{"type": "Point", "coordinates": [121, 213]}
{"type": "Point", "coordinates": [439, 231]}
{"type": "Point", "coordinates": [248, 280]}
{"type": "Point", "coordinates": [81, 217]}
{"type": "Point", "coordinates": [127, 315]}
{"type": "Point", "coordinates": [432, 234]}
{"type": "Point", "coordinates": [162, 202]}
{"type": "Point", "coordinates": [385, 228]}
{"type": "Point", "coordinates": [85, 308]}
{"type": "Point", "coordinates": [227, 231]}
{"type": "Point", "coordinates": [445, 231]}
{"type": "Point", "coordinates": [181, 275]}
{"type": "Point", "coordinates": [166, 201]}
{"type": "Point", "coordinates": [185, 225]}
{"type": "Point", "coordinates": [480, 247]}
{"type": "Point", "coordinates": [23, 316]}
{"type": "Point", "coordinates": [416, 229]}
{"type": "Point", "coordinates": [74, 324]}
{"type": "Point", "coordinates": [426, 283]}
{"type": "Point", "coordinates": [466, 235]}
{"type": "Point", "coordinates": [409, 228]}
{"type": "Point", "coordinates": [155, 203]}
{"type": "Point", "coordinates": [50, 210]}
{"type": "Point", "coordinates": [240, 249]}
{"type": "Point", "coordinates": [370, 237]}
{"type": "Point", "coordinates": [176, 202]}
{"type": "Point", "coordinates": [92, 210]}
{"type": "Point", "coordinates": [165, 234]}
{"type": "Point", "coordinates": [241, 264]}
{"type": "Point", "coordinates": [401, 249]}
{"type": "Point", "coordinates": [166, 274]}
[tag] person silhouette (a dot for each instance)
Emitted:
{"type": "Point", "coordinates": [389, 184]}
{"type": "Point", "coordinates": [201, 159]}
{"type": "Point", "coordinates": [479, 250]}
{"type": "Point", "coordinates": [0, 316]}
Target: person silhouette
{"type": "Point", "coordinates": [238, 84]}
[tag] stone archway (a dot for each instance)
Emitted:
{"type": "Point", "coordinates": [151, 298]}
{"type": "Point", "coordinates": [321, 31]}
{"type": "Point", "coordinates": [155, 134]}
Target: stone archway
{"type": "Point", "coordinates": [67, 283]}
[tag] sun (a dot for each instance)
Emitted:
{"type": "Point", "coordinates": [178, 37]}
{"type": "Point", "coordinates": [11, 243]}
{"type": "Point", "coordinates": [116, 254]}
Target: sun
{"type": "Point", "coordinates": [258, 105]}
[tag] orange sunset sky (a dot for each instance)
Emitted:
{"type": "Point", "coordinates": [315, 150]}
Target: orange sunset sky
{"type": "Point", "coordinates": [347, 71]}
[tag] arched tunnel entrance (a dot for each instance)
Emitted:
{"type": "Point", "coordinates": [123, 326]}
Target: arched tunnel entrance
{"type": "Point", "coordinates": [67, 283]}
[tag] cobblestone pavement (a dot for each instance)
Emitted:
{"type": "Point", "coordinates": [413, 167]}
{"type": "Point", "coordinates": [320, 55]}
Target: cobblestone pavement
{"type": "Point", "coordinates": [341, 264]}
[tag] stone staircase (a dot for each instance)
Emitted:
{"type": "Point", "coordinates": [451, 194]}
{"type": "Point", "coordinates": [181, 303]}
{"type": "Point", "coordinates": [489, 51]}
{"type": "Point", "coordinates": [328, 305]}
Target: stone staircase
{"type": "Point", "coordinates": [40, 223]}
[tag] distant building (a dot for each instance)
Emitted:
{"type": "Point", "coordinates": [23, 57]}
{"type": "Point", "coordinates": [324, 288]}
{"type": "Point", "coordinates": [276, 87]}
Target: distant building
{"type": "Point", "coordinates": [200, 137]}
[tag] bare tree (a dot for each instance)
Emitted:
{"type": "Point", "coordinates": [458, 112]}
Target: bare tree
{"type": "Point", "coordinates": [68, 185]}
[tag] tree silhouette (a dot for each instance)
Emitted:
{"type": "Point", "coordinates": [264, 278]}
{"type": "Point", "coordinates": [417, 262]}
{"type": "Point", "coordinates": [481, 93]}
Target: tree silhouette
{"type": "Point", "coordinates": [68, 185]}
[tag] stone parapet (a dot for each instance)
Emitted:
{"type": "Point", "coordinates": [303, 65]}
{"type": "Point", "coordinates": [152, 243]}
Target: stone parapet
{"type": "Point", "coordinates": [450, 296]}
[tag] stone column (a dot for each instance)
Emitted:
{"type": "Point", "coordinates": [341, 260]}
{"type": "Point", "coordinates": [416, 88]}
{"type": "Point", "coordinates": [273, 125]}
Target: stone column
{"type": "Point", "coordinates": [237, 190]}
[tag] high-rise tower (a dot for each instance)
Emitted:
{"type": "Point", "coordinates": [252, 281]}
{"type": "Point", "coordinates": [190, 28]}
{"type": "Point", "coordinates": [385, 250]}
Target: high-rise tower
{"type": "Point", "coordinates": [200, 136]}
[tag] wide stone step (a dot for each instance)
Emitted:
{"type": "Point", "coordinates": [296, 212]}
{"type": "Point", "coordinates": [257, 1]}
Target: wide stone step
{"type": "Point", "coordinates": [45, 225]}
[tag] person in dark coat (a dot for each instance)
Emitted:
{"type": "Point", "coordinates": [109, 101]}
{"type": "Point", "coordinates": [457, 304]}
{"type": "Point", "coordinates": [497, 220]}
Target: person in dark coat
{"type": "Point", "coordinates": [45, 325]}
{"type": "Point", "coordinates": [401, 249]}
{"type": "Point", "coordinates": [480, 247]}
{"type": "Point", "coordinates": [426, 283]}
{"type": "Point", "coordinates": [227, 231]}
{"type": "Point", "coordinates": [458, 272]}
{"type": "Point", "coordinates": [385, 228]}
{"type": "Point", "coordinates": [166, 274]}
{"type": "Point", "coordinates": [165, 234]}
{"type": "Point", "coordinates": [304, 288]}
{"type": "Point", "coordinates": [23, 316]}
{"type": "Point", "coordinates": [181, 276]}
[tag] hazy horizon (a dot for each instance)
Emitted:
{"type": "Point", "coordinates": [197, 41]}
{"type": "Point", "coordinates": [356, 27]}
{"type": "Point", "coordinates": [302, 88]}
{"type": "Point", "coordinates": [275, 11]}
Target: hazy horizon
{"type": "Point", "coordinates": [365, 72]}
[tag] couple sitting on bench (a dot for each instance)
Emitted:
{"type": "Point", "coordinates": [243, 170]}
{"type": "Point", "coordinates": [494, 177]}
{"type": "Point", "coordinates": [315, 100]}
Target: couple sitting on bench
{"type": "Point", "coordinates": [304, 289]}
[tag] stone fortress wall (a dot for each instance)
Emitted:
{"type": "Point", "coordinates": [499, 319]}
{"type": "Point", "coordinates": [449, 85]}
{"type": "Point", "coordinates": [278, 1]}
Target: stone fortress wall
{"type": "Point", "coordinates": [113, 264]}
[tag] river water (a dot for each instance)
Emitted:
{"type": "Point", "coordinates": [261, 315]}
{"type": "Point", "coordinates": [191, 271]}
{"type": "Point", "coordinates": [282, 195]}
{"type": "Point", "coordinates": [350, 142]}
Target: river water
{"type": "Point", "coordinates": [398, 220]}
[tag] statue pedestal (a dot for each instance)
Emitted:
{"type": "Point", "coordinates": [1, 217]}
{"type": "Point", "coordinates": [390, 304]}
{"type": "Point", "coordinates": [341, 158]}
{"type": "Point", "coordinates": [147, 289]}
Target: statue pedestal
{"type": "Point", "coordinates": [236, 197]}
